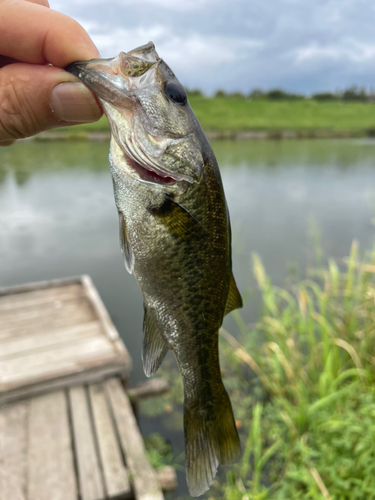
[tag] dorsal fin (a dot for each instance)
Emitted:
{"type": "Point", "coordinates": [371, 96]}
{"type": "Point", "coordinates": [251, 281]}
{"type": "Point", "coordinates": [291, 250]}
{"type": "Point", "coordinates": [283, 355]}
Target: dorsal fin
{"type": "Point", "coordinates": [234, 300]}
{"type": "Point", "coordinates": [125, 245]}
{"type": "Point", "coordinates": [154, 345]}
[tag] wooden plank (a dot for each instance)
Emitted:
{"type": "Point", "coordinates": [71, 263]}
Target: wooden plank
{"type": "Point", "coordinates": [61, 368]}
{"type": "Point", "coordinates": [37, 315]}
{"type": "Point", "coordinates": [37, 297]}
{"type": "Point", "coordinates": [167, 478]}
{"type": "Point", "coordinates": [115, 475]}
{"type": "Point", "coordinates": [51, 474]}
{"type": "Point", "coordinates": [66, 376]}
{"type": "Point", "coordinates": [89, 473]}
{"type": "Point", "coordinates": [74, 350]}
{"type": "Point", "coordinates": [148, 388]}
{"type": "Point", "coordinates": [28, 312]}
{"type": "Point", "coordinates": [23, 346]}
{"type": "Point", "coordinates": [46, 324]}
{"type": "Point", "coordinates": [99, 307]}
{"type": "Point", "coordinates": [50, 341]}
{"type": "Point", "coordinates": [39, 285]}
{"type": "Point", "coordinates": [13, 439]}
{"type": "Point", "coordinates": [143, 475]}
{"type": "Point", "coordinates": [104, 317]}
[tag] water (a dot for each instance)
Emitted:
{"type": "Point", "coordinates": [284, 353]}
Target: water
{"type": "Point", "coordinates": [58, 219]}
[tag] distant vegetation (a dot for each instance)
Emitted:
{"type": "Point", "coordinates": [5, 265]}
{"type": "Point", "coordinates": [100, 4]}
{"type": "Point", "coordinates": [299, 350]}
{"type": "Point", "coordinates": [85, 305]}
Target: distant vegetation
{"type": "Point", "coordinates": [229, 117]}
{"type": "Point", "coordinates": [353, 93]}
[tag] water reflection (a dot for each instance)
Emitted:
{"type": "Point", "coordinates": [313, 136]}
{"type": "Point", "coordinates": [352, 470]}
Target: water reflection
{"type": "Point", "coordinates": [58, 218]}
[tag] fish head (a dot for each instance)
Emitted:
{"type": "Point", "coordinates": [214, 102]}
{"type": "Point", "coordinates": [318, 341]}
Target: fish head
{"type": "Point", "coordinates": [157, 138]}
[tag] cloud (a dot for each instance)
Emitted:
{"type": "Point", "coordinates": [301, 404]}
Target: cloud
{"type": "Point", "coordinates": [300, 45]}
{"type": "Point", "coordinates": [181, 53]}
{"type": "Point", "coordinates": [174, 5]}
{"type": "Point", "coordinates": [348, 50]}
{"type": "Point", "coordinates": [170, 5]}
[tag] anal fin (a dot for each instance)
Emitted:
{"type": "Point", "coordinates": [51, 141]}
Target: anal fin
{"type": "Point", "coordinates": [125, 245]}
{"type": "Point", "coordinates": [154, 345]}
{"type": "Point", "coordinates": [234, 300]}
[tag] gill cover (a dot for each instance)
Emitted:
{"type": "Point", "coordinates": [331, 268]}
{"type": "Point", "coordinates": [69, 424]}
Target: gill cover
{"type": "Point", "coordinates": [150, 118]}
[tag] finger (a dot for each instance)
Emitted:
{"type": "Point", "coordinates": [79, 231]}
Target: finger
{"type": "Point", "coordinates": [32, 33]}
{"type": "Point", "coordinates": [4, 60]}
{"type": "Point", "coordinates": [7, 143]}
{"type": "Point", "coordinates": [35, 98]}
{"type": "Point", "coordinates": [40, 2]}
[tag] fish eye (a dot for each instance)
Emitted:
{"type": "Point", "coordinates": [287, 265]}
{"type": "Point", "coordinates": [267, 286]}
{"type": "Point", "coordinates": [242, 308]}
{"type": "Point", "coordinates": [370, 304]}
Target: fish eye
{"type": "Point", "coordinates": [175, 92]}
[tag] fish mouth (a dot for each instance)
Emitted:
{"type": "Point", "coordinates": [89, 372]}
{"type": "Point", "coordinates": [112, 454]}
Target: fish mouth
{"type": "Point", "coordinates": [101, 76]}
{"type": "Point", "coordinates": [163, 178]}
{"type": "Point", "coordinates": [114, 80]}
{"type": "Point", "coordinates": [139, 165]}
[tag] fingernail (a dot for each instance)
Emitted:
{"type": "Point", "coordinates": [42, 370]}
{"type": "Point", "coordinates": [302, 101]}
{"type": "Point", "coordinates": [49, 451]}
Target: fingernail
{"type": "Point", "coordinates": [73, 102]}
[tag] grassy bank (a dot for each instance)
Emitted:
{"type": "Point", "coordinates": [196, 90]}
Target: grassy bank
{"type": "Point", "coordinates": [305, 118]}
{"type": "Point", "coordinates": [242, 115]}
{"type": "Point", "coordinates": [302, 387]}
{"type": "Point", "coordinates": [311, 432]}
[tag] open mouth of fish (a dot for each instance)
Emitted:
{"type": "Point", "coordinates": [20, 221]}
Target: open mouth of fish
{"type": "Point", "coordinates": [146, 174]}
{"type": "Point", "coordinates": [141, 166]}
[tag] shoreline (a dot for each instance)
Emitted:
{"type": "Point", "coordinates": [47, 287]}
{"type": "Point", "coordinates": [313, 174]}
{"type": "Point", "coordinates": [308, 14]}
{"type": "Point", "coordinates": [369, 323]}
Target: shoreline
{"type": "Point", "coordinates": [104, 136]}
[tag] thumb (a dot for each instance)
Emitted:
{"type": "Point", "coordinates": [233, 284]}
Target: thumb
{"type": "Point", "coordinates": [35, 98]}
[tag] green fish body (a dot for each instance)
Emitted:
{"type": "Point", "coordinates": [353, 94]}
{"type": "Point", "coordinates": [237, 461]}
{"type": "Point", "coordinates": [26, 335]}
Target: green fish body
{"type": "Point", "coordinates": [175, 237]}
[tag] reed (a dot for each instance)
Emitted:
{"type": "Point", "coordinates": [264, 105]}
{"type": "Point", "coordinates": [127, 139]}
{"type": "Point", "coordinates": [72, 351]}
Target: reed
{"type": "Point", "coordinates": [302, 385]}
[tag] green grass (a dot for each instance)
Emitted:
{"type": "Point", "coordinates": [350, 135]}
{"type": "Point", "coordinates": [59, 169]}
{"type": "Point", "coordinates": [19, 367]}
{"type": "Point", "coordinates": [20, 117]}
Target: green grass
{"type": "Point", "coordinates": [311, 433]}
{"type": "Point", "coordinates": [239, 115]}
{"type": "Point", "coordinates": [302, 385]}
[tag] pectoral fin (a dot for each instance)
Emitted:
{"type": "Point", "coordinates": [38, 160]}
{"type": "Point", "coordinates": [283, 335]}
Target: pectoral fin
{"type": "Point", "coordinates": [125, 245]}
{"type": "Point", "coordinates": [154, 345]}
{"type": "Point", "coordinates": [234, 300]}
{"type": "Point", "coordinates": [179, 221]}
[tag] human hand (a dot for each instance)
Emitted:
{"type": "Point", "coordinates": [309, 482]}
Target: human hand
{"type": "Point", "coordinates": [35, 92]}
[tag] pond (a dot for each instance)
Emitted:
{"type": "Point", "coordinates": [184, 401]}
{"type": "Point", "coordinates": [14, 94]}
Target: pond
{"type": "Point", "coordinates": [58, 219]}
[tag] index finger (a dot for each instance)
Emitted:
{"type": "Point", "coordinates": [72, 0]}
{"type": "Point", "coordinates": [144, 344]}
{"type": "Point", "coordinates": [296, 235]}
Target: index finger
{"type": "Point", "coordinates": [36, 34]}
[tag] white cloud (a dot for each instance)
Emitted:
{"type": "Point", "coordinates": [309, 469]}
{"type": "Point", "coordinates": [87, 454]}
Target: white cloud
{"type": "Point", "coordinates": [181, 53]}
{"type": "Point", "coordinates": [299, 45]}
{"type": "Point", "coordinates": [174, 5]}
{"type": "Point", "coordinates": [350, 50]}
{"type": "Point", "coordinates": [170, 5]}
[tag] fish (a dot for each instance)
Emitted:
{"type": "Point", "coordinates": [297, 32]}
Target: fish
{"type": "Point", "coordinates": [176, 239]}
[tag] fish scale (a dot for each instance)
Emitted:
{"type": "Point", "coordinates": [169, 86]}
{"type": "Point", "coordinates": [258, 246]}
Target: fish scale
{"type": "Point", "coordinates": [175, 237]}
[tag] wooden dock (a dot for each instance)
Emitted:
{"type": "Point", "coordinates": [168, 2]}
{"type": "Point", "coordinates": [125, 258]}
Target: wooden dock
{"type": "Point", "coordinates": [67, 428]}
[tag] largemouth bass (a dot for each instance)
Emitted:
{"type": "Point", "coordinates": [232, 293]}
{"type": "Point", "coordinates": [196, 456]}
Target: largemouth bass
{"type": "Point", "coordinates": [175, 237]}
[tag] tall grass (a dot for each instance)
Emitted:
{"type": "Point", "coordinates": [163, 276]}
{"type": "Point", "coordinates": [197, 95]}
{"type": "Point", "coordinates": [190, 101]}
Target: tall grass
{"type": "Point", "coordinates": [302, 386]}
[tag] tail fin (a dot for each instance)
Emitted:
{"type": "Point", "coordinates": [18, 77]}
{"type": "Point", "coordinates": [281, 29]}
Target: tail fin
{"type": "Point", "coordinates": [211, 439]}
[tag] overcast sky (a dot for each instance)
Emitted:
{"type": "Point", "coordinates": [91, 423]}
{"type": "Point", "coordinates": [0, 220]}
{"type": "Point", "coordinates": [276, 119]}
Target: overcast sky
{"type": "Point", "coordinates": [298, 45]}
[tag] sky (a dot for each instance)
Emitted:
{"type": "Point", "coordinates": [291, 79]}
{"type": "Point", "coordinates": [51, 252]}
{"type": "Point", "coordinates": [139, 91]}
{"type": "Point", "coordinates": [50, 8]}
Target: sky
{"type": "Point", "coordinates": [303, 46]}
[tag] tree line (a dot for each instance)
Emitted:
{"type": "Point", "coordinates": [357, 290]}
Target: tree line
{"type": "Point", "coordinates": [353, 93]}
